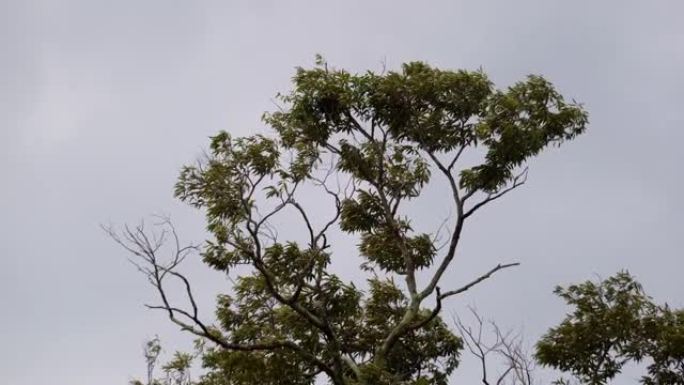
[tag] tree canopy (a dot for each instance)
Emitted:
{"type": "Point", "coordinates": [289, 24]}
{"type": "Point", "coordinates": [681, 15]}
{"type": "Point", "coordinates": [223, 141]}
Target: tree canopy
{"type": "Point", "coordinates": [612, 323]}
{"type": "Point", "coordinates": [368, 143]}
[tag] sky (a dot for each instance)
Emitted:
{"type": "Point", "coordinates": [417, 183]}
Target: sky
{"type": "Point", "coordinates": [102, 102]}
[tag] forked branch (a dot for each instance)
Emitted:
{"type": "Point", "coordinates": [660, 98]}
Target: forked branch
{"type": "Point", "coordinates": [517, 367]}
{"type": "Point", "coordinates": [147, 246]}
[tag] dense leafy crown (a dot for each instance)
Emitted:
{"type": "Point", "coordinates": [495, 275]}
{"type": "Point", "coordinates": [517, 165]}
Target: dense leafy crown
{"type": "Point", "coordinates": [289, 319]}
{"type": "Point", "coordinates": [612, 323]}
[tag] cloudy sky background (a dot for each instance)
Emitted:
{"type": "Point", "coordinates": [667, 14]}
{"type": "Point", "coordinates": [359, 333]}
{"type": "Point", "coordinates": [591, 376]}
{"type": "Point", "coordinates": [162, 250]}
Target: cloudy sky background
{"type": "Point", "coordinates": [101, 102]}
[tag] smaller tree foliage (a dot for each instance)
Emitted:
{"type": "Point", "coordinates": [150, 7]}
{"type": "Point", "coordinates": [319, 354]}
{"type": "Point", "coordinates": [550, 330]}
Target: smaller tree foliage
{"type": "Point", "coordinates": [612, 323]}
{"type": "Point", "coordinates": [175, 372]}
{"type": "Point", "coordinates": [369, 143]}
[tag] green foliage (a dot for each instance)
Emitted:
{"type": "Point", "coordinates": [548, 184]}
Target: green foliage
{"type": "Point", "coordinates": [289, 319]}
{"type": "Point", "coordinates": [663, 343]}
{"type": "Point", "coordinates": [422, 108]}
{"type": "Point", "coordinates": [381, 129]}
{"type": "Point", "coordinates": [385, 307]}
{"type": "Point", "coordinates": [614, 322]}
{"type": "Point", "coordinates": [176, 371]}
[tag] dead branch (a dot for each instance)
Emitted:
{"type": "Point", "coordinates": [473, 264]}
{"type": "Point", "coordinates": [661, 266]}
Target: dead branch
{"type": "Point", "coordinates": [516, 367]}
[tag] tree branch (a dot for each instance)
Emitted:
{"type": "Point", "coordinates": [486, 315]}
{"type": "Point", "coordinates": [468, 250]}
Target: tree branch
{"type": "Point", "coordinates": [518, 181]}
{"type": "Point", "coordinates": [143, 247]}
{"type": "Point", "coordinates": [441, 296]}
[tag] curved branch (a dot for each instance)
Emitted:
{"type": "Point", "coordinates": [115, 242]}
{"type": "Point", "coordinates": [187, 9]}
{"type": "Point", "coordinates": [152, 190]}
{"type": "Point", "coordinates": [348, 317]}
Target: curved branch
{"type": "Point", "coordinates": [518, 181]}
{"type": "Point", "coordinates": [440, 296]}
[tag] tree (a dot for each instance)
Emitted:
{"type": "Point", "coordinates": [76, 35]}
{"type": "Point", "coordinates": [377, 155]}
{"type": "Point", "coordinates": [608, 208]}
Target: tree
{"type": "Point", "coordinates": [612, 323]}
{"type": "Point", "coordinates": [176, 371]}
{"type": "Point", "coordinates": [369, 143]}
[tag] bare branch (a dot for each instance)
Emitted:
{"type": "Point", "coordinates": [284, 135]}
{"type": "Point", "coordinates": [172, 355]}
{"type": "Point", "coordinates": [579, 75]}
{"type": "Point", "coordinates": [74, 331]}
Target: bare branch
{"type": "Point", "coordinates": [455, 233]}
{"type": "Point", "coordinates": [518, 181]}
{"type": "Point", "coordinates": [478, 279]}
{"type": "Point", "coordinates": [457, 156]}
{"type": "Point", "coordinates": [441, 296]}
{"type": "Point", "coordinates": [517, 366]}
{"type": "Point", "coordinates": [145, 247]}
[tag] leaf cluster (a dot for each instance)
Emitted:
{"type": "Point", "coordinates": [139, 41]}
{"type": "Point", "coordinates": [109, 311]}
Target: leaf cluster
{"type": "Point", "coordinates": [612, 323]}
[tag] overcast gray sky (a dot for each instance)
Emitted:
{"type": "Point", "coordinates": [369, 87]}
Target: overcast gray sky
{"type": "Point", "coordinates": [101, 102]}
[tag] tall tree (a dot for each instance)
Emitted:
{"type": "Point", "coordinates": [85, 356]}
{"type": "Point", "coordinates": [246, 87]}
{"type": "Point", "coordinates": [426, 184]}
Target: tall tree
{"type": "Point", "coordinates": [369, 143]}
